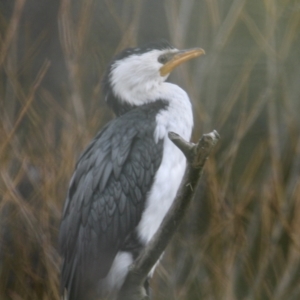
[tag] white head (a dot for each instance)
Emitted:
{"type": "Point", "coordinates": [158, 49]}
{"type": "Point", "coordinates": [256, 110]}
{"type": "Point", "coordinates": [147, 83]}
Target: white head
{"type": "Point", "coordinates": [136, 73]}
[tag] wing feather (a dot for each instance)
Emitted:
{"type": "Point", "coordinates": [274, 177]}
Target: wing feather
{"type": "Point", "coordinates": [106, 197]}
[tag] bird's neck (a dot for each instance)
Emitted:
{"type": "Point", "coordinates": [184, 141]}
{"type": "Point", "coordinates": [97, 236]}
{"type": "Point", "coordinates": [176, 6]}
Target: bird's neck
{"type": "Point", "coordinates": [118, 106]}
{"type": "Point", "coordinates": [124, 97]}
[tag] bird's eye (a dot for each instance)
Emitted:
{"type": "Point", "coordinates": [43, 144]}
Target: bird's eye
{"type": "Point", "coordinates": [162, 59]}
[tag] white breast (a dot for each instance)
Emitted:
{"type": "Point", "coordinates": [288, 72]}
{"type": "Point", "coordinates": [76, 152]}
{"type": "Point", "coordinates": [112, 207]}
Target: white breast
{"type": "Point", "coordinates": [177, 118]}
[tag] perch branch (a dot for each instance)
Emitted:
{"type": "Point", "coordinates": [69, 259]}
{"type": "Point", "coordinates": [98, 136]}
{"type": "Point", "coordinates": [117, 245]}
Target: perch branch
{"type": "Point", "coordinates": [196, 155]}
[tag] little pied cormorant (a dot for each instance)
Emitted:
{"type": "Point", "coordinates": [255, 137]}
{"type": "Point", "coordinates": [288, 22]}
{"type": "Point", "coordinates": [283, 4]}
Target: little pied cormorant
{"type": "Point", "coordinates": [127, 178]}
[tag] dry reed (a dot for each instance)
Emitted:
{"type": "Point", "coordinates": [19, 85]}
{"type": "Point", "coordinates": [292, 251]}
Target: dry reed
{"type": "Point", "coordinates": [241, 239]}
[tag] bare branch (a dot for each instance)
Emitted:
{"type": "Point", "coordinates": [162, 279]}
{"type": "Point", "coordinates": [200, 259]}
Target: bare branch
{"type": "Point", "coordinates": [196, 155]}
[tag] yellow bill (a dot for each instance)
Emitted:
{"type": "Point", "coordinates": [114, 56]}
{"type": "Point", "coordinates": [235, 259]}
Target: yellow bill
{"type": "Point", "coordinates": [179, 58]}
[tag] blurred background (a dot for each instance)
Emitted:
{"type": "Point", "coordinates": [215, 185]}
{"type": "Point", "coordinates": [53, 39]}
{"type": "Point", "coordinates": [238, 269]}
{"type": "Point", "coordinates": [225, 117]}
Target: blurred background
{"type": "Point", "coordinates": [241, 237]}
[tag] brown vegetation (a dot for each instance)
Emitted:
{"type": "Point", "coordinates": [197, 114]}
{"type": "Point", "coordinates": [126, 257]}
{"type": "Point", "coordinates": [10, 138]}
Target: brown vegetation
{"type": "Point", "coordinates": [241, 237]}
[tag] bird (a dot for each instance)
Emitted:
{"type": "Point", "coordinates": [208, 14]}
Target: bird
{"type": "Point", "coordinates": [128, 176]}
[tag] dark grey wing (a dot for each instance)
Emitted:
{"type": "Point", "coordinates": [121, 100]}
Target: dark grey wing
{"type": "Point", "coordinates": [106, 198]}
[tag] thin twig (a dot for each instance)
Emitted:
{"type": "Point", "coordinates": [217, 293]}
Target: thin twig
{"type": "Point", "coordinates": [40, 76]}
{"type": "Point", "coordinates": [13, 26]}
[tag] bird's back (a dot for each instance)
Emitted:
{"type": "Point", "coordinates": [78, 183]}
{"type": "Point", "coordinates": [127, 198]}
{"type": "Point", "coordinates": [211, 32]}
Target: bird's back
{"type": "Point", "coordinates": [106, 198]}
